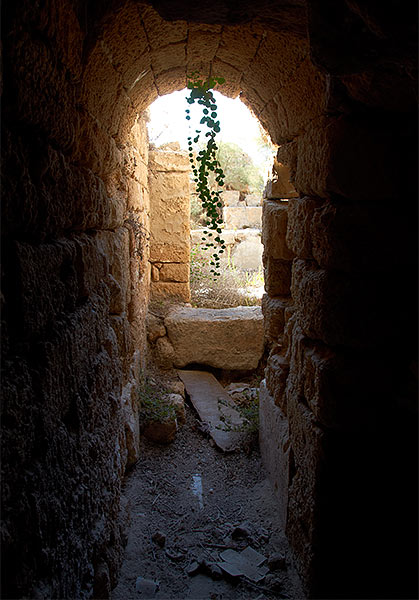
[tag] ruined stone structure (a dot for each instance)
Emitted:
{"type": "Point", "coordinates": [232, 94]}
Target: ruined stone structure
{"type": "Point", "coordinates": [334, 83]}
{"type": "Point", "coordinates": [169, 171]}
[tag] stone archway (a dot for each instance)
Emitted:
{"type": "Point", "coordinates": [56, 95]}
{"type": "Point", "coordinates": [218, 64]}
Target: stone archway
{"type": "Point", "coordinates": [76, 169]}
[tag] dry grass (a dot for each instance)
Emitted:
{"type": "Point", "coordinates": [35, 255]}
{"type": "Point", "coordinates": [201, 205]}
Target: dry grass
{"type": "Point", "coordinates": [232, 287]}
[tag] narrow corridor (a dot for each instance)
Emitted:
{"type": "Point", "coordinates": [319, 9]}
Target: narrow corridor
{"type": "Point", "coordinates": [164, 495]}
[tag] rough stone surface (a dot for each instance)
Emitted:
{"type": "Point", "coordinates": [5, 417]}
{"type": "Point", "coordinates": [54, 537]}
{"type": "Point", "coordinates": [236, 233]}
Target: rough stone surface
{"type": "Point", "coordinates": [273, 310]}
{"type": "Point", "coordinates": [230, 198]}
{"type": "Point", "coordinates": [170, 224]}
{"type": "Point", "coordinates": [277, 276]}
{"type": "Point", "coordinates": [274, 443]}
{"type": "Point", "coordinates": [280, 186]}
{"type": "Point", "coordinates": [299, 235]}
{"type": "Point", "coordinates": [247, 255]}
{"type": "Point", "coordinates": [155, 327]}
{"type": "Point", "coordinates": [163, 353]}
{"type": "Point", "coordinates": [238, 217]}
{"type": "Point", "coordinates": [160, 432]}
{"type": "Point", "coordinates": [274, 218]}
{"type": "Point", "coordinates": [229, 338]}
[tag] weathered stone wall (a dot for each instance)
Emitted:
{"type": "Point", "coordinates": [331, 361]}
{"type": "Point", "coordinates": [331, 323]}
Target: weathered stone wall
{"type": "Point", "coordinates": [169, 224]}
{"type": "Point", "coordinates": [341, 102]}
{"type": "Point", "coordinates": [334, 385]}
{"type": "Point", "coordinates": [74, 296]}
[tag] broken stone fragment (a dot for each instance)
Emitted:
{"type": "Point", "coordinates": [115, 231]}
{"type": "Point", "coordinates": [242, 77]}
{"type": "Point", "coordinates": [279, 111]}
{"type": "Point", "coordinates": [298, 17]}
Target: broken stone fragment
{"type": "Point", "coordinates": [240, 532]}
{"type": "Point", "coordinates": [155, 327]}
{"type": "Point", "coordinates": [215, 572]}
{"type": "Point", "coordinates": [192, 569]}
{"type": "Point", "coordinates": [160, 432]}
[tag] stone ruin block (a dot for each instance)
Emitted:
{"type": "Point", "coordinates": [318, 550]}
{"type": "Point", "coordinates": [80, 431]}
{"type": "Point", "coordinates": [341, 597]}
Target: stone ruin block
{"type": "Point", "coordinates": [230, 338]}
{"type": "Point", "coordinates": [231, 198]}
{"type": "Point", "coordinates": [277, 276]}
{"type": "Point", "coordinates": [274, 229]}
{"type": "Point", "coordinates": [253, 200]}
{"type": "Point", "coordinates": [242, 217]}
{"type": "Point", "coordinates": [275, 448]}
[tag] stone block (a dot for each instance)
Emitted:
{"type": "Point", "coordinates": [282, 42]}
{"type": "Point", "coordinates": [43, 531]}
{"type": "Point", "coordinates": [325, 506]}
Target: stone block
{"type": "Point", "coordinates": [247, 256]}
{"type": "Point", "coordinates": [274, 446]}
{"type": "Point", "coordinates": [276, 372]}
{"type": "Point", "coordinates": [301, 100]}
{"type": "Point", "coordinates": [121, 327]}
{"type": "Point", "coordinates": [163, 353]}
{"type": "Point", "coordinates": [243, 216]}
{"type": "Point", "coordinates": [280, 186]}
{"type": "Point", "coordinates": [230, 198]}
{"type": "Point", "coordinates": [274, 318]}
{"type": "Point", "coordinates": [277, 276]}
{"type": "Point", "coordinates": [331, 150]}
{"type": "Point", "coordinates": [307, 447]}
{"type": "Point", "coordinates": [175, 272]}
{"type": "Point", "coordinates": [346, 309]}
{"type": "Point", "coordinates": [253, 200]}
{"type": "Point", "coordinates": [155, 327]}
{"type": "Point", "coordinates": [129, 404]}
{"type": "Point", "coordinates": [169, 161]}
{"type": "Point", "coordinates": [300, 216]}
{"type": "Point", "coordinates": [274, 229]}
{"type": "Point", "coordinates": [344, 391]}
{"type": "Point", "coordinates": [287, 156]}
{"type": "Point", "coordinates": [167, 252]}
{"type": "Point", "coordinates": [224, 338]}
{"type": "Point", "coordinates": [355, 237]}
{"type": "Point", "coordinates": [48, 282]}
{"type": "Point", "coordinates": [163, 290]}
{"type": "Point", "coordinates": [92, 264]}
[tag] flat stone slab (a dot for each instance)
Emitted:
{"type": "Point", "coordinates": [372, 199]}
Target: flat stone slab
{"type": "Point", "coordinates": [227, 338]}
{"type": "Point", "coordinates": [247, 562]}
{"type": "Point", "coordinates": [214, 407]}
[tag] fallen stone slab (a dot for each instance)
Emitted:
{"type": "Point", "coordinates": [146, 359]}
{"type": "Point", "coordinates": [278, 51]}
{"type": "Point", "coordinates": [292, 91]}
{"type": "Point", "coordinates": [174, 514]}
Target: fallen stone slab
{"type": "Point", "coordinates": [246, 563]}
{"type": "Point", "coordinates": [228, 338]}
{"type": "Point", "coordinates": [214, 407]}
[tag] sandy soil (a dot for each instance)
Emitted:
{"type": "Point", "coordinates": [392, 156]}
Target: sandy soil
{"type": "Point", "coordinates": [163, 493]}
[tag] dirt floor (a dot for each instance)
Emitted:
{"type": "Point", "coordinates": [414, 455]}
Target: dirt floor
{"type": "Point", "coordinates": [174, 530]}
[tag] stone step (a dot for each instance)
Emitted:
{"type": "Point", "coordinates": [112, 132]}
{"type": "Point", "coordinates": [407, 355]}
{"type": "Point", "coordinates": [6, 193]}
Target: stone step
{"type": "Point", "coordinates": [215, 408]}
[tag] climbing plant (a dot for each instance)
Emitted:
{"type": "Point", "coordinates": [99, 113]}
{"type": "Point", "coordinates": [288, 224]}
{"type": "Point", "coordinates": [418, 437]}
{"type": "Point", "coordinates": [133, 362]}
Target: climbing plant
{"type": "Point", "coordinates": [206, 161]}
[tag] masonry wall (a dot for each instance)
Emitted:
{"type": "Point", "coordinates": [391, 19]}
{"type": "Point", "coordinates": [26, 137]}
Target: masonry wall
{"type": "Point", "coordinates": [75, 280]}
{"type": "Point", "coordinates": [341, 373]}
{"type": "Point", "coordinates": [169, 224]}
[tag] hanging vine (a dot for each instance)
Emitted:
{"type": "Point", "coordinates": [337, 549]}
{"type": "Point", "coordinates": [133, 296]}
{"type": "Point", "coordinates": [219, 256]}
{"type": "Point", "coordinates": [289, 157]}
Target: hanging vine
{"type": "Point", "coordinates": [205, 162]}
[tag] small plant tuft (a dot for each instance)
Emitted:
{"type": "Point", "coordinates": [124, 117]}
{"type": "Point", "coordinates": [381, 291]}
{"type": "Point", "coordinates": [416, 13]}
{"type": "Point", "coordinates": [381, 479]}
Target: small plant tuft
{"type": "Point", "coordinates": [153, 402]}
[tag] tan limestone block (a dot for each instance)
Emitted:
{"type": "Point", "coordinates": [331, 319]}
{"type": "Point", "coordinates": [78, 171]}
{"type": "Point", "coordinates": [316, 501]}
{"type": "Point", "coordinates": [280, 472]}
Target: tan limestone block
{"type": "Point", "coordinates": [274, 229]}
{"type": "Point", "coordinates": [175, 272]}
{"type": "Point", "coordinates": [224, 338]}
{"type": "Point", "coordinates": [277, 276]}
{"type": "Point", "coordinates": [273, 310]}
{"type": "Point", "coordinates": [161, 290]}
{"type": "Point", "coordinates": [166, 160]}
{"type": "Point", "coordinates": [167, 252]}
{"type": "Point", "coordinates": [300, 217]}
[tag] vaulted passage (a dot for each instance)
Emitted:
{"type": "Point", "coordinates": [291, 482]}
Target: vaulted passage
{"type": "Point", "coordinates": [334, 83]}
